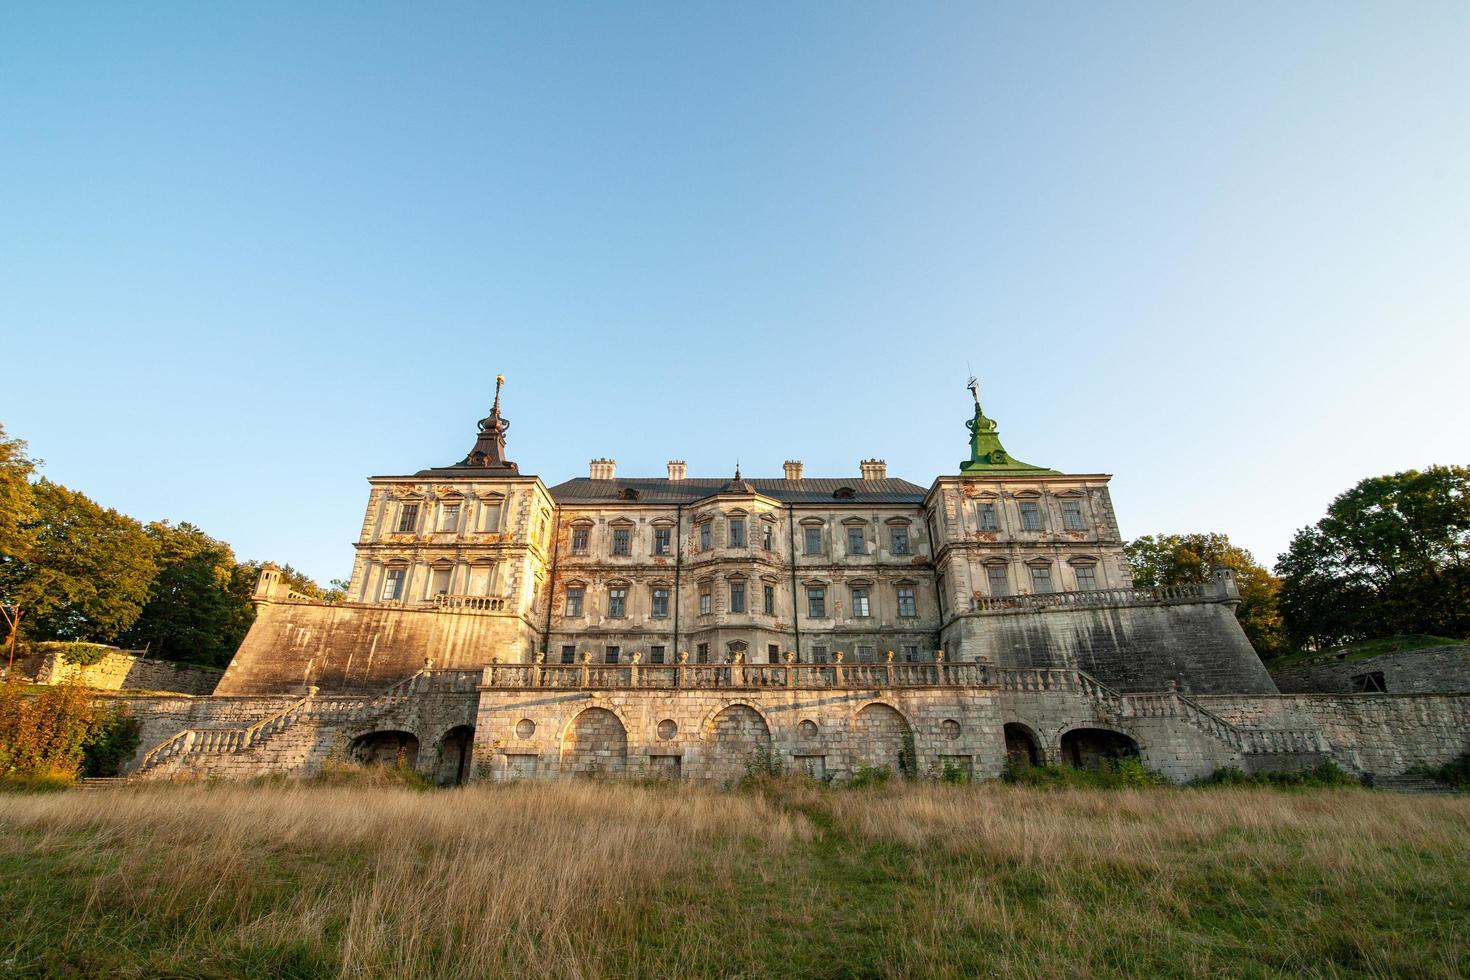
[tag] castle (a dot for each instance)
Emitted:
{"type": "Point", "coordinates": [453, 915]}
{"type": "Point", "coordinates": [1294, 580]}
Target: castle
{"type": "Point", "coordinates": [496, 628]}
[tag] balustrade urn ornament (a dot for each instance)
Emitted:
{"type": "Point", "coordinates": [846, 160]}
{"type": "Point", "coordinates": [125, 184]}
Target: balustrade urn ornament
{"type": "Point", "coordinates": [790, 657]}
{"type": "Point", "coordinates": [939, 656]}
{"type": "Point", "coordinates": [890, 656]}
{"type": "Point", "coordinates": [837, 657]}
{"type": "Point", "coordinates": [637, 657]}
{"type": "Point", "coordinates": [541, 658]}
{"type": "Point", "coordinates": [683, 656]}
{"type": "Point", "coordinates": [586, 656]}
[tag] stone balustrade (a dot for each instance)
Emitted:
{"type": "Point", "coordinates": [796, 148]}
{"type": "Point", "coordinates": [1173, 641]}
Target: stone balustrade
{"type": "Point", "coordinates": [1093, 598]}
{"type": "Point", "coordinates": [466, 603]}
{"type": "Point", "coordinates": [738, 676]}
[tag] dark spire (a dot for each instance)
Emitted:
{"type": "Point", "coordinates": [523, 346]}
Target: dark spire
{"type": "Point", "coordinates": [489, 450]}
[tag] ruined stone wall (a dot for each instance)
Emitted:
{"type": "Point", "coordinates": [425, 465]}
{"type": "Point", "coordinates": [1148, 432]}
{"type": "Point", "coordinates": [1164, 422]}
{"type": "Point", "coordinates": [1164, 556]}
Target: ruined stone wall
{"type": "Point", "coordinates": [122, 670]}
{"type": "Point", "coordinates": [1198, 646]}
{"type": "Point", "coordinates": [1377, 733]}
{"type": "Point", "coordinates": [1437, 670]}
{"type": "Point", "coordinates": [357, 648]}
{"type": "Point", "coordinates": [716, 735]}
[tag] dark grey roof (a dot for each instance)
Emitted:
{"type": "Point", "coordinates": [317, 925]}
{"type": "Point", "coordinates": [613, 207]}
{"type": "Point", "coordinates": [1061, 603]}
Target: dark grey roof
{"type": "Point", "coordinates": [807, 491]}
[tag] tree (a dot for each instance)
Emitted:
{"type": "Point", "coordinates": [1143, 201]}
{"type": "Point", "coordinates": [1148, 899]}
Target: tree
{"type": "Point", "coordinates": [15, 496]}
{"type": "Point", "coordinates": [194, 612]}
{"type": "Point", "coordinates": [1389, 558]}
{"type": "Point", "coordinates": [1183, 559]}
{"type": "Point", "coordinates": [83, 573]}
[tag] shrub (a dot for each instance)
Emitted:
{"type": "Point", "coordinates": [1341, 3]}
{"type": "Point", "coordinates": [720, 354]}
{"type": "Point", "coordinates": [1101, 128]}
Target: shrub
{"type": "Point", "coordinates": [1111, 774]}
{"type": "Point", "coordinates": [866, 776]}
{"type": "Point", "coordinates": [1454, 773]}
{"type": "Point", "coordinates": [1326, 773]}
{"type": "Point", "coordinates": [112, 743]}
{"type": "Point", "coordinates": [42, 735]}
{"type": "Point", "coordinates": [82, 654]}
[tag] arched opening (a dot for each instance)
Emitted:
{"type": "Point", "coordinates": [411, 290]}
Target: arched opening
{"type": "Point", "coordinates": [740, 740]}
{"type": "Point", "coordinates": [882, 740]}
{"type": "Point", "coordinates": [595, 745]}
{"type": "Point", "coordinates": [1086, 748]}
{"type": "Point", "coordinates": [1021, 748]}
{"type": "Point", "coordinates": [399, 749]}
{"type": "Point", "coordinates": [455, 749]}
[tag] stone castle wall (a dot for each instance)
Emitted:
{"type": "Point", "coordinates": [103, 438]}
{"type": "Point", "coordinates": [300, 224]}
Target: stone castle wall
{"type": "Point", "coordinates": [1437, 670]}
{"type": "Point", "coordinates": [123, 670]}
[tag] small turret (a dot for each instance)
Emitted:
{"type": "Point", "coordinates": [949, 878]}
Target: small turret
{"type": "Point", "coordinates": [987, 455]}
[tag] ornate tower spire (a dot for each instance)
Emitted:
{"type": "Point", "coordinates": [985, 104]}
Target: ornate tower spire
{"type": "Point", "coordinates": [489, 449]}
{"type": "Point", "coordinates": [987, 455]}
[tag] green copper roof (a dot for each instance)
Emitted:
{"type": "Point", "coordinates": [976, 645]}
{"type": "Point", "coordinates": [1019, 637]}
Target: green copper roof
{"type": "Point", "coordinates": [987, 455]}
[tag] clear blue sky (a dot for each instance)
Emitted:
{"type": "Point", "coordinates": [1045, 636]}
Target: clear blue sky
{"type": "Point", "coordinates": [252, 253]}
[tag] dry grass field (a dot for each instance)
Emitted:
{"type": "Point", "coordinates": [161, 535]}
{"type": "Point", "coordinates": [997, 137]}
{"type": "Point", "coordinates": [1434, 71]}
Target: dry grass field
{"type": "Point", "coordinates": [790, 879]}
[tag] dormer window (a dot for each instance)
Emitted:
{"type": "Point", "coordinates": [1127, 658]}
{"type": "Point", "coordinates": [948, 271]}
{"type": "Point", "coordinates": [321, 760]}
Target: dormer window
{"type": "Point", "coordinates": [843, 493]}
{"type": "Point", "coordinates": [627, 493]}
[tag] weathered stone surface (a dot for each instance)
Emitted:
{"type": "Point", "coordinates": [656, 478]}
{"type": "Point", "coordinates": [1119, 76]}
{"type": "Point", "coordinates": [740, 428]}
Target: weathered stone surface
{"type": "Point", "coordinates": [1437, 670]}
{"type": "Point", "coordinates": [125, 670]}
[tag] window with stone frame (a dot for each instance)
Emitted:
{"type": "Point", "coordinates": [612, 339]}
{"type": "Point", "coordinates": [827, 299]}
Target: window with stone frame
{"type": "Point", "coordinates": [866, 654]}
{"type": "Point", "coordinates": [656, 654]}
{"type": "Point", "coordinates": [768, 537]}
{"type": "Point", "coordinates": [568, 654]}
{"type": "Point", "coordinates": [1086, 577]}
{"type": "Point", "coordinates": [737, 596]}
{"type": "Point", "coordinates": [488, 515]}
{"type": "Point", "coordinates": [856, 541]}
{"type": "Point", "coordinates": [768, 599]}
{"type": "Point", "coordinates": [811, 538]}
{"type": "Point", "coordinates": [449, 517]}
{"type": "Point", "coordinates": [1072, 514]}
{"type": "Point", "coordinates": [612, 654]}
{"type": "Point", "coordinates": [908, 608]}
{"type": "Point", "coordinates": [621, 540]}
{"type": "Point", "coordinates": [898, 540]}
{"type": "Point", "coordinates": [704, 536]}
{"type": "Point", "coordinates": [1030, 515]}
{"type": "Point", "coordinates": [661, 541]}
{"type": "Point", "coordinates": [989, 520]}
{"type": "Point", "coordinates": [998, 580]}
{"type": "Point", "coordinates": [1040, 579]}
{"type": "Point", "coordinates": [910, 653]}
{"type": "Point", "coordinates": [408, 518]}
{"type": "Point", "coordinates": [701, 653]}
{"type": "Point", "coordinates": [860, 606]}
{"type": "Point", "coordinates": [617, 602]}
{"type": "Point", "coordinates": [393, 584]}
{"type": "Point", "coordinates": [736, 532]}
{"type": "Point", "coordinates": [660, 603]}
{"type": "Point", "coordinates": [819, 654]}
{"type": "Point", "coordinates": [816, 602]}
{"type": "Point", "coordinates": [773, 653]}
{"type": "Point", "coordinates": [579, 540]}
{"type": "Point", "coordinates": [574, 600]}
{"type": "Point", "coordinates": [706, 601]}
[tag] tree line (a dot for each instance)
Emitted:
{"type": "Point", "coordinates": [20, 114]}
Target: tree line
{"type": "Point", "coordinates": [72, 569]}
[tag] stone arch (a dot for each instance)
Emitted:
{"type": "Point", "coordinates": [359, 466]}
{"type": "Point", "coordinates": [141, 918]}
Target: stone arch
{"type": "Point", "coordinates": [881, 738]}
{"type": "Point", "coordinates": [595, 744]}
{"type": "Point", "coordinates": [456, 748]}
{"type": "Point", "coordinates": [738, 737]}
{"type": "Point", "coordinates": [1023, 747]}
{"type": "Point", "coordinates": [385, 748]}
{"type": "Point", "coordinates": [1087, 747]}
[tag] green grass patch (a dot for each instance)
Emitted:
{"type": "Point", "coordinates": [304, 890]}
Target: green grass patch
{"type": "Point", "coordinates": [1363, 650]}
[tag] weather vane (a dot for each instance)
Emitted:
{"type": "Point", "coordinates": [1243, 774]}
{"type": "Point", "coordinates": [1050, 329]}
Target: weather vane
{"type": "Point", "coordinates": [974, 386]}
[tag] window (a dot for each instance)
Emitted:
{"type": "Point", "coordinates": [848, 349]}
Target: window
{"type": "Point", "coordinates": [898, 540]}
{"type": "Point", "coordinates": [617, 602]}
{"type": "Point", "coordinates": [737, 532]}
{"type": "Point", "coordinates": [907, 607]}
{"type": "Point", "coordinates": [1030, 515]}
{"type": "Point", "coordinates": [655, 655]}
{"type": "Point", "coordinates": [449, 518]}
{"type": "Point", "coordinates": [579, 540]}
{"type": "Point", "coordinates": [999, 585]}
{"type": "Point", "coordinates": [1371, 683]}
{"type": "Point", "coordinates": [660, 603]}
{"type": "Point", "coordinates": [1040, 578]}
{"type": "Point", "coordinates": [1086, 577]}
{"type": "Point", "coordinates": [860, 601]}
{"type": "Point", "coordinates": [737, 597]}
{"type": "Point", "coordinates": [661, 536]}
{"type": "Point", "coordinates": [865, 654]}
{"type": "Point", "coordinates": [988, 520]}
{"type": "Point", "coordinates": [408, 518]}
{"type": "Point", "coordinates": [439, 581]}
{"type": "Point", "coordinates": [812, 537]}
{"type": "Point", "coordinates": [768, 538]}
{"type": "Point", "coordinates": [706, 601]}
{"type": "Point", "coordinates": [768, 599]}
{"type": "Point", "coordinates": [855, 544]}
{"type": "Point", "coordinates": [819, 655]}
{"type": "Point", "coordinates": [816, 602]}
{"type": "Point", "coordinates": [773, 654]}
{"type": "Point", "coordinates": [489, 515]}
{"type": "Point", "coordinates": [701, 653]}
{"type": "Point", "coordinates": [393, 584]}
{"type": "Point", "coordinates": [621, 537]}
{"type": "Point", "coordinates": [704, 536]}
{"type": "Point", "coordinates": [910, 653]}
{"type": "Point", "coordinates": [1072, 515]}
{"type": "Point", "coordinates": [574, 601]}
{"type": "Point", "coordinates": [568, 654]}
{"type": "Point", "coordinates": [612, 654]}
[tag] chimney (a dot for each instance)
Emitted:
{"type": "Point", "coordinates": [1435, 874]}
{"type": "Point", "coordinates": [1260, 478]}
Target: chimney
{"type": "Point", "coordinates": [793, 469]}
{"type": "Point", "coordinates": [874, 469]}
{"type": "Point", "coordinates": [602, 469]}
{"type": "Point", "coordinates": [676, 470]}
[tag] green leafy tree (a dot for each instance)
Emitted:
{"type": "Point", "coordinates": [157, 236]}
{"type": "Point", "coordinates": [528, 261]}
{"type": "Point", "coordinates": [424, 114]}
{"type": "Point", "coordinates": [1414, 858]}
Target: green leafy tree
{"type": "Point", "coordinates": [16, 507]}
{"type": "Point", "coordinates": [1389, 558]}
{"type": "Point", "coordinates": [195, 612]}
{"type": "Point", "coordinates": [1184, 559]}
{"type": "Point", "coordinates": [85, 571]}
